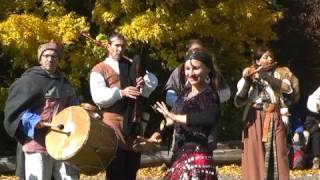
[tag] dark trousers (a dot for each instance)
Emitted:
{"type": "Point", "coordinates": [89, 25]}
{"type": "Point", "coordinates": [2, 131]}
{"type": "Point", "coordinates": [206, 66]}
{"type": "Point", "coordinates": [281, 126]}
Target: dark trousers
{"type": "Point", "coordinates": [316, 143]}
{"type": "Point", "coordinates": [20, 162]}
{"type": "Point", "coordinates": [124, 166]}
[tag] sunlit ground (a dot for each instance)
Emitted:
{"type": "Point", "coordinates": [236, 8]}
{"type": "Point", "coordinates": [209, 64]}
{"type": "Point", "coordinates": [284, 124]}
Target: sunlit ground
{"type": "Point", "coordinates": [157, 172]}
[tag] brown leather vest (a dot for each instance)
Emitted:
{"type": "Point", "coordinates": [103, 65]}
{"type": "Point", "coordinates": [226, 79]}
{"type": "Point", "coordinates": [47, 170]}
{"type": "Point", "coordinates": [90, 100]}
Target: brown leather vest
{"type": "Point", "coordinates": [113, 116]}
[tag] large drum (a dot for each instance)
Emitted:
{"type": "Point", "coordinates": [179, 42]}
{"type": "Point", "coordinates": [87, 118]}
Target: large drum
{"type": "Point", "coordinates": [80, 137]}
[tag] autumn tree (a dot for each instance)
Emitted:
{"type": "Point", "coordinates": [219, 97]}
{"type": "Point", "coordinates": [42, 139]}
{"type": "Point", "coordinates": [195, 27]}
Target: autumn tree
{"type": "Point", "coordinates": [298, 42]}
{"type": "Point", "coordinates": [156, 29]}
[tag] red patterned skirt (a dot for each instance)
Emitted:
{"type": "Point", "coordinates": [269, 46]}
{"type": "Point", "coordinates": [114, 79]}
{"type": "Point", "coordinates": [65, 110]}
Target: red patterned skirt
{"type": "Point", "coordinates": [192, 163]}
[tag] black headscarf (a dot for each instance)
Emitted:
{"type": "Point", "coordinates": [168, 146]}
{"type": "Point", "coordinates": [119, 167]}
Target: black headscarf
{"type": "Point", "coordinates": [203, 56]}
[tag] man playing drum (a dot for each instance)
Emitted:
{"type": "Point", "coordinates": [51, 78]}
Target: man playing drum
{"type": "Point", "coordinates": [39, 94]}
{"type": "Point", "coordinates": [115, 88]}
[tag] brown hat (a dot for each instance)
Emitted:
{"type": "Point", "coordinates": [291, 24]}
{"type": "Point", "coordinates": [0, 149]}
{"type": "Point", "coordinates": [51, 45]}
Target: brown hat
{"type": "Point", "coordinates": [49, 46]}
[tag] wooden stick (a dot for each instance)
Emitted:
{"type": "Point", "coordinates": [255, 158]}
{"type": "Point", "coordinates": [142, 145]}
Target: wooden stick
{"type": "Point", "coordinates": [99, 43]}
{"type": "Point", "coordinates": [256, 70]}
{"type": "Point", "coordinates": [58, 126]}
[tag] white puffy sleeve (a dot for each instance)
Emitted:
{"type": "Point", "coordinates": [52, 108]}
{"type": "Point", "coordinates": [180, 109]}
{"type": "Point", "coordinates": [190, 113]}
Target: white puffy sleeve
{"type": "Point", "coordinates": [102, 95]}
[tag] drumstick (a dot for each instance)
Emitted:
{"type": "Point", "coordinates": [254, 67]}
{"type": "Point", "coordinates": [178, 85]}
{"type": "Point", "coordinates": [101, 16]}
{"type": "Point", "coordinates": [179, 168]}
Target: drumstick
{"type": "Point", "coordinates": [59, 126]}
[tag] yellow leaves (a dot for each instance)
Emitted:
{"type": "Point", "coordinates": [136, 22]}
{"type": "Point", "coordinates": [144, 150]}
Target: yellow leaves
{"type": "Point", "coordinates": [105, 12]}
{"type": "Point", "coordinates": [226, 21]}
{"type": "Point", "coordinates": [305, 172]}
{"type": "Point", "coordinates": [108, 17]}
{"type": "Point", "coordinates": [231, 170]}
{"type": "Point", "coordinates": [150, 27]}
{"type": "Point", "coordinates": [52, 8]}
{"type": "Point", "coordinates": [229, 23]}
{"type": "Point", "coordinates": [161, 12]}
{"type": "Point", "coordinates": [19, 29]}
{"type": "Point", "coordinates": [27, 4]}
{"type": "Point", "coordinates": [22, 34]}
{"type": "Point", "coordinates": [220, 6]}
{"type": "Point", "coordinates": [25, 29]}
{"type": "Point", "coordinates": [102, 15]}
{"type": "Point", "coordinates": [248, 13]}
{"type": "Point", "coordinates": [277, 16]}
{"type": "Point", "coordinates": [128, 5]}
{"type": "Point", "coordinates": [197, 19]}
{"type": "Point", "coordinates": [155, 172]}
{"type": "Point", "coordinates": [164, 26]}
{"type": "Point", "coordinates": [67, 28]}
{"type": "Point", "coordinates": [169, 56]}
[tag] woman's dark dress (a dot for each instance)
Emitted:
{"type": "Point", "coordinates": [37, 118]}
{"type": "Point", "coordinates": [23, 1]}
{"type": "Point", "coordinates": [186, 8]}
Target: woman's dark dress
{"type": "Point", "coordinates": [192, 155]}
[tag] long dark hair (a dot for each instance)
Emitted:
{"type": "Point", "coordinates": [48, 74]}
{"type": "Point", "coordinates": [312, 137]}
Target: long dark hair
{"type": "Point", "coordinates": [218, 81]}
{"type": "Point", "coordinates": [182, 77]}
{"type": "Point", "coordinates": [203, 56]}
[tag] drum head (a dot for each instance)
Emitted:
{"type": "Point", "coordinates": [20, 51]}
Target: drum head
{"type": "Point", "coordinates": [64, 143]}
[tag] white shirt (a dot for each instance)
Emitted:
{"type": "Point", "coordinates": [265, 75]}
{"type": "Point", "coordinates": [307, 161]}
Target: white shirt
{"type": "Point", "coordinates": [102, 95]}
{"type": "Point", "coordinates": [313, 102]}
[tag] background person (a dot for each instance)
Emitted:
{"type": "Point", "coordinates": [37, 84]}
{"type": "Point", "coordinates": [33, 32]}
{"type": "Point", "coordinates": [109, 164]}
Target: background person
{"type": "Point", "coordinates": [260, 90]}
{"type": "Point", "coordinates": [312, 125]}
{"type": "Point", "coordinates": [297, 139]}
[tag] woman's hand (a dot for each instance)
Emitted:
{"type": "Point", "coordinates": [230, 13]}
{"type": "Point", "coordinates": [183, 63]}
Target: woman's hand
{"type": "Point", "coordinates": [171, 118]}
{"type": "Point", "coordinates": [162, 108]}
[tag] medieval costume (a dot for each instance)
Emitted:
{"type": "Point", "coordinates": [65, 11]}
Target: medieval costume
{"type": "Point", "coordinates": [264, 135]}
{"type": "Point", "coordinates": [107, 78]}
{"type": "Point", "coordinates": [36, 96]}
{"type": "Point", "coordinates": [192, 154]}
{"type": "Point", "coordinates": [174, 88]}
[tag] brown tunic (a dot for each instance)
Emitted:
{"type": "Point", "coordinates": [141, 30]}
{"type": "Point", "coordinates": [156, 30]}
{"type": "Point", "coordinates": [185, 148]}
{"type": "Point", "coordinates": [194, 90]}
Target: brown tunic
{"type": "Point", "coordinates": [253, 163]}
{"type": "Point", "coordinates": [264, 135]}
